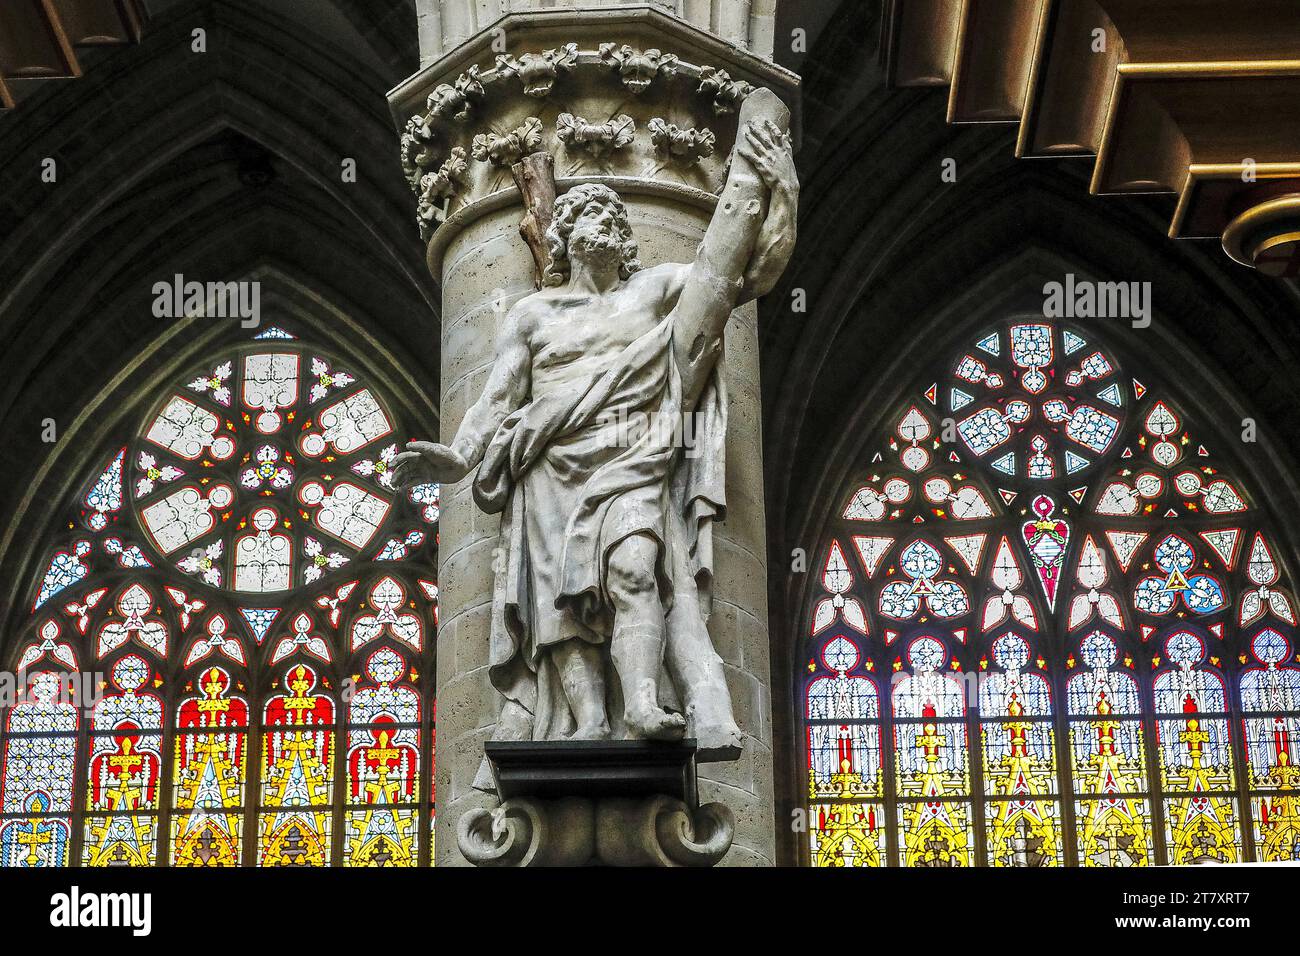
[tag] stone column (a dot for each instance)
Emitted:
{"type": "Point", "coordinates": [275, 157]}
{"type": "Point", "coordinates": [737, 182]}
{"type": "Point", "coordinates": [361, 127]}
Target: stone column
{"type": "Point", "coordinates": [544, 80]}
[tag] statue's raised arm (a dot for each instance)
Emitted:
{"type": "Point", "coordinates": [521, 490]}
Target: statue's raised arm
{"type": "Point", "coordinates": [748, 242]}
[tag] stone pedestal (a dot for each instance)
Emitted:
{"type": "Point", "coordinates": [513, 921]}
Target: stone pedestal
{"type": "Point", "coordinates": [645, 103]}
{"type": "Point", "coordinates": [595, 803]}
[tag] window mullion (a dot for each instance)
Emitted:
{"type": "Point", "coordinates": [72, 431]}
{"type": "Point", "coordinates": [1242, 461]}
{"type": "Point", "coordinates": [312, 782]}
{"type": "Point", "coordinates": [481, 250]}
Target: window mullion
{"type": "Point", "coordinates": [1237, 738]}
{"type": "Point", "coordinates": [975, 756]}
{"type": "Point", "coordinates": [253, 777]}
{"type": "Point", "coordinates": [1155, 789]}
{"type": "Point", "coordinates": [1064, 765]}
{"type": "Point", "coordinates": [888, 764]}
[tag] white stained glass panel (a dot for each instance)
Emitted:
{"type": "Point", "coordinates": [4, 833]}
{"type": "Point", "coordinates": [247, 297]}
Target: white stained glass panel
{"type": "Point", "coordinates": [351, 514]}
{"type": "Point", "coordinates": [270, 380]}
{"type": "Point", "coordinates": [354, 422]}
{"type": "Point", "coordinates": [1031, 345]}
{"type": "Point", "coordinates": [1092, 428]}
{"type": "Point", "coordinates": [185, 429]}
{"type": "Point", "coordinates": [41, 761]}
{"type": "Point", "coordinates": [984, 431]}
{"type": "Point", "coordinates": [178, 519]}
{"type": "Point", "coordinates": [262, 559]}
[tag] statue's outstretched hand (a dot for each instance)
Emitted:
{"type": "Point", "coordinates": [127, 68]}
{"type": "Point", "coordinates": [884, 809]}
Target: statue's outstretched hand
{"type": "Point", "coordinates": [770, 152]}
{"type": "Point", "coordinates": [426, 461]}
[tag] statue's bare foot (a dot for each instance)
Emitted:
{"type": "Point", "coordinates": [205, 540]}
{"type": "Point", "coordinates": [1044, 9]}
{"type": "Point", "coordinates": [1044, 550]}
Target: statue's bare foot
{"type": "Point", "coordinates": [722, 740]}
{"type": "Point", "coordinates": [598, 731]}
{"type": "Point", "coordinates": [654, 723]}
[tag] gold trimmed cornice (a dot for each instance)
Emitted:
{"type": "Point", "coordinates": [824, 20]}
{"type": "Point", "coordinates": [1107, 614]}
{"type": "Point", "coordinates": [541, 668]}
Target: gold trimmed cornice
{"type": "Point", "coordinates": [40, 39]}
{"type": "Point", "coordinates": [1198, 98]}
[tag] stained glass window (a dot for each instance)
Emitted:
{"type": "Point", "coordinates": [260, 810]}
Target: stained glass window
{"type": "Point", "coordinates": [241, 608]}
{"type": "Point", "coordinates": [124, 770]}
{"type": "Point", "coordinates": [210, 772]}
{"type": "Point", "coordinates": [383, 765]}
{"type": "Point", "coordinates": [38, 774]}
{"type": "Point", "coordinates": [1270, 698]}
{"type": "Point", "coordinates": [1085, 615]}
{"type": "Point", "coordinates": [931, 758]}
{"type": "Point", "coordinates": [1023, 816]}
{"type": "Point", "coordinates": [298, 727]}
{"type": "Point", "coordinates": [1108, 756]}
{"type": "Point", "coordinates": [1194, 747]}
{"type": "Point", "coordinates": [844, 758]}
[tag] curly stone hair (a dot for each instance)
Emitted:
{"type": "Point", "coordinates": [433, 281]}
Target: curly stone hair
{"type": "Point", "coordinates": [567, 209]}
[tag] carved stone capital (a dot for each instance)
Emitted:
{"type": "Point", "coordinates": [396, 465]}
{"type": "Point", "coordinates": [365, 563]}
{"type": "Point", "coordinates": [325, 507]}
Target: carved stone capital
{"type": "Point", "coordinates": [594, 79]}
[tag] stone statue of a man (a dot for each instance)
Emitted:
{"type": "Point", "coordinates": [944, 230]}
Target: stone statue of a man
{"type": "Point", "coordinates": [602, 582]}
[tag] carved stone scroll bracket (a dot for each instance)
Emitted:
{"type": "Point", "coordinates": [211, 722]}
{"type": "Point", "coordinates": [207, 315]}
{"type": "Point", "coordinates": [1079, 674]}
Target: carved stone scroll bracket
{"type": "Point", "coordinates": [529, 832]}
{"type": "Point", "coordinates": [595, 803]}
{"type": "Point", "coordinates": [655, 830]}
{"type": "Point", "coordinates": [662, 831]}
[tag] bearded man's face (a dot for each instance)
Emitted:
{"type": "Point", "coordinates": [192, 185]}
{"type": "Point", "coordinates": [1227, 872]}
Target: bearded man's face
{"type": "Point", "coordinates": [594, 239]}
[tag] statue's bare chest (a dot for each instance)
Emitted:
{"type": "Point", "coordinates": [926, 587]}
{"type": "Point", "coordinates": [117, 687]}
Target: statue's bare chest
{"type": "Point", "coordinates": [577, 332]}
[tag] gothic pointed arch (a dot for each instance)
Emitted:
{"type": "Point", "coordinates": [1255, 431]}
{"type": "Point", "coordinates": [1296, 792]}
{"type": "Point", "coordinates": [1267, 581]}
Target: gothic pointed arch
{"type": "Point", "coordinates": [256, 599]}
{"type": "Point", "coordinates": [224, 166]}
{"type": "Point", "coordinates": [1083, 613]}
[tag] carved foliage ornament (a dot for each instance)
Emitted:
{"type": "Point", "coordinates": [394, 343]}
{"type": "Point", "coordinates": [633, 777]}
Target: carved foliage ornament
{"type": "Point", "coordinates": [505, 150]}
{"type": "Point", "coordinates": [637, 68]}
{"type": "Point", "coordinates": [416, 149]}
{"type": "Point", "coordinates": [597, 139]}
{"type": "Point", "coordinates": [727, 93]}
{"type": "Point", "coordinates": [456, 100]}
{"type": "Point", "coordinates": [538, 71]}
{"type": "Point", "coordinates": [684, 145]}
{"type": "Point", "coordinates": [438, 187]}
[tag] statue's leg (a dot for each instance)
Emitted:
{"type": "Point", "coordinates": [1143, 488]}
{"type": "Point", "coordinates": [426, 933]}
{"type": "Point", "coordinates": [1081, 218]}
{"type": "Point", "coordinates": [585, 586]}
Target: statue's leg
{"type": "Point", "coordinates": [581, 673]}
{"type": "Point", "coordinates": [637, 645]}
{"type": "Point", "coordinates": [694, 665]}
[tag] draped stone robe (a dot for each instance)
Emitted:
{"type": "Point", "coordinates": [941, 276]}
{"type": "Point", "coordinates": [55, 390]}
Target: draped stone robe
{"type": "Point", "coordinates": [569, 487]}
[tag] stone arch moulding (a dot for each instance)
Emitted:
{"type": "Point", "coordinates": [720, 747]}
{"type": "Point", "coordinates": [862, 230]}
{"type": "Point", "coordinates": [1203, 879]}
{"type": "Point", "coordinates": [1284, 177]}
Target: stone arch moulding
{"type": "Point", "coordinates": [117, 408]}
{"type": "Point", "coordinates": [1123, 471]}
{"type": "Point", "coordinates": [1015, 287]}
{"type": "Point", "coordinates": [311, 569]}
